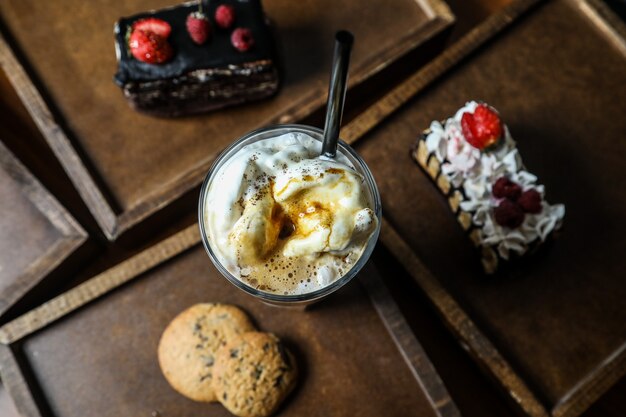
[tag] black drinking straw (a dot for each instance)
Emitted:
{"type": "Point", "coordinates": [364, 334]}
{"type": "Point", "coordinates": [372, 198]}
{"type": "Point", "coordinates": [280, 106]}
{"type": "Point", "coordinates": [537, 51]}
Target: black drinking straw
{"type": "Point", "coordinates": [337, 92]}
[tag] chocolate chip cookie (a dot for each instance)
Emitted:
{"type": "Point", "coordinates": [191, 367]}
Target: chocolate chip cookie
{"type": "Point", "coordinates": [189, 343]}
{"type": "Point", "coordinates": [253, 374]}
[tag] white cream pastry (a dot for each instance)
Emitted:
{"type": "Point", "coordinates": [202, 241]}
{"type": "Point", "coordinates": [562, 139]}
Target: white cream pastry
{"type": "Point", "coordinates": [474, 160]}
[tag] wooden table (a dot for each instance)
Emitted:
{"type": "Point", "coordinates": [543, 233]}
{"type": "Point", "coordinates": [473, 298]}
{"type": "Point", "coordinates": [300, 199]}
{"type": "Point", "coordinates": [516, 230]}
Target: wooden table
{"type": "Point", "coordinates": [474, 394]}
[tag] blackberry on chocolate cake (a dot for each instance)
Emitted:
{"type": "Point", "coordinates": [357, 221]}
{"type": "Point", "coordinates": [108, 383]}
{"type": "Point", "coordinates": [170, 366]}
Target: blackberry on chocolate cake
{"type": "Point", "coordinates": [187, 77]}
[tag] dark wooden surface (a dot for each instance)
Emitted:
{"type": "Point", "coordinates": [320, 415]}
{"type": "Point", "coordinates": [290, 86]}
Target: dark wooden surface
{"type": "Point", "coordinates": [38, 234]}
{"type": "Point", "coordinates": [474, 393]}
{"type": "Point", "coordinates": [127, 165]}
{"type": "Point", "coordinates": [349, 347]}
{"type": "Point", "coordinates": [558, 319]}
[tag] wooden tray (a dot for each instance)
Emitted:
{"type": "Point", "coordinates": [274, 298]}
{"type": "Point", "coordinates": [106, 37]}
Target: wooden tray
{"type": "Point", "coordinates": [552, 331]}
{"type": "Point", "coordinates": [101, 359]}
{"type": "Point", "coordinates": [37, 233]}
{"type": "Point", "coordinates": [127, 166]}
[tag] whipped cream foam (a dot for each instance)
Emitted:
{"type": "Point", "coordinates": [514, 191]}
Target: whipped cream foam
{"type": "Point", "coordinates": [286, 221]}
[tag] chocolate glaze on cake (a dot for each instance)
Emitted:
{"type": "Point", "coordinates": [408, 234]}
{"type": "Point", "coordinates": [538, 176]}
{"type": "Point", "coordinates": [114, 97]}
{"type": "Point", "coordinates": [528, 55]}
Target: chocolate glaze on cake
{"type": "Point", "coordinates": [199, 78]}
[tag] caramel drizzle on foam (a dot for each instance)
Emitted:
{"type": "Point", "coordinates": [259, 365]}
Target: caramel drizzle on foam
{"type": "Point", "coordinates": [287, 221]}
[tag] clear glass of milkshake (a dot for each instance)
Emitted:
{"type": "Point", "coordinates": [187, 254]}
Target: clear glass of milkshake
{"type": "Point", "coordinates": [285, 224]}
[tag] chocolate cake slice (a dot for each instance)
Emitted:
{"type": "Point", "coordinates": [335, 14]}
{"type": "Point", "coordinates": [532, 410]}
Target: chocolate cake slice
{"type": "Point", "coordinates": [199, 78]}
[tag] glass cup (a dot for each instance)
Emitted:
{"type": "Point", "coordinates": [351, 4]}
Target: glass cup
{"type": "Point", "coordinates": [270, 132]}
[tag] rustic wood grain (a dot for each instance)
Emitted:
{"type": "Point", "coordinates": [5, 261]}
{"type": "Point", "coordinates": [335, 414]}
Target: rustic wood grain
{"type": "Point", "coordinates": [58, 141]}
{"type": "Point", "coordinates": [98, 285]}
{"type": "Point", "coordinates": [111, 160]}
{"type": "Point", "coordinates": [589, 389]}
{"type": "Point", "coordinates": [461, 324]}
{"type": "Point", "coordinates": [320, 334]}
{"type": "Point", "coordinates": [393, 100]}
{"type": "Point", "coordinates": [7, 408]}
{"type": "Point", "coordinates": [606, 21]}
{"type": "Point", "coordinates": [549, 395]}
{"type": "Point", "coordinates": [63, 235]}
{"type": "Point", "coordinates": [411, 349]}
{"type": "Point", "coordinates": [16, 384]}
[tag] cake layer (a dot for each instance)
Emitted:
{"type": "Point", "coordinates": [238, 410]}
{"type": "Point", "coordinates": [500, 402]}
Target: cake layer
{"type": "Point", "coordinates": [204, 89]}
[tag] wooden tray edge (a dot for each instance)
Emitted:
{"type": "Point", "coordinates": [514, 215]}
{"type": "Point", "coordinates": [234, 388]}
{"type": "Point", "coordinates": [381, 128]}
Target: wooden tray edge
{"type": "Point", "coordinates": [389, 313]}
{"type": "Point", "coordinates": [589, 389]}
{"type": "Point", "coordinates": [606, 20]}
{"type": "Point", "coordinates": [57, 140]}
{"type": "Point", "coordinates": [16, 384]}
{"type": "Point", "coordinates": [459, 323]}
{"type": "Point", "coordinates": [114, 224]}
{"type": "Point", "coordinates": [584, 394]}
{"type": "Point", "coordinates": [405, 340]}
{"type": "Point", "coordinates": [73, 236]}
{"type": "Point", "coordinates": [574, 403]}
{"type": "Point", "coordinates": [407, 89]}
{"type": "Point", "coordinates": [99, 285]}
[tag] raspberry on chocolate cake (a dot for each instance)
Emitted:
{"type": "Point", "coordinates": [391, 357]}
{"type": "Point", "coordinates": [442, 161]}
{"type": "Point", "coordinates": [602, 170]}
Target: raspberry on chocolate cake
{"type": "Point", "coordinates": [475, 163]}
{"type": "Point", "coordinates": [181, 60]}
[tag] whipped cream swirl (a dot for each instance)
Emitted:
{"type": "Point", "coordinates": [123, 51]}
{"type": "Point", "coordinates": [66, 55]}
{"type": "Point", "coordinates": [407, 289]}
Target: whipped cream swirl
{"type": "Point", "coordinates": [475, 172]}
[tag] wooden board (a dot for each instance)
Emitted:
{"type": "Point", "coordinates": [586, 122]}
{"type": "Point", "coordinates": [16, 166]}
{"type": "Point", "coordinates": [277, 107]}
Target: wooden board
{"type": "Point", "coordinates": [127, 166]}
{"type": "Point", "coordinates": [38, 234]}
{"type": "Point", "coordinates": [349, 347]}
{"type": "Point", "coordinates": [552, 331]}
